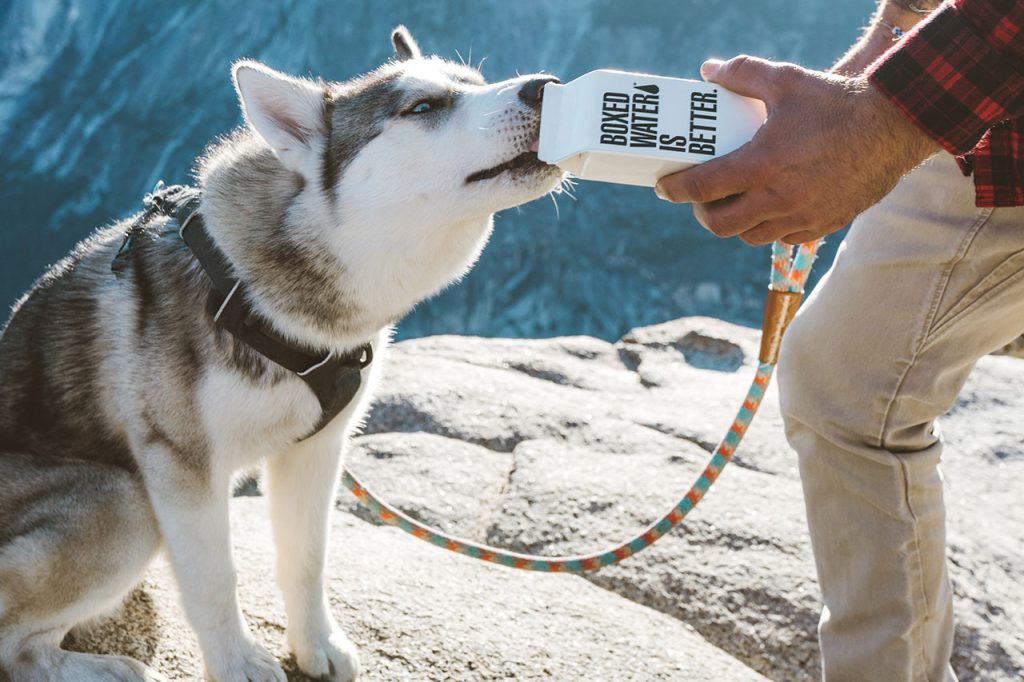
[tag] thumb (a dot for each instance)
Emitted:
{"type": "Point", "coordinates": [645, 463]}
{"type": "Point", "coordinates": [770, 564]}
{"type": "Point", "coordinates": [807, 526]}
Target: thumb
{"type": "Point", "coordinates": [747, 76]}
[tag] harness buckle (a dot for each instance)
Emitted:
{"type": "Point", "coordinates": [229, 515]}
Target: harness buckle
{"type": "Point", "coordinates": [155, 196]}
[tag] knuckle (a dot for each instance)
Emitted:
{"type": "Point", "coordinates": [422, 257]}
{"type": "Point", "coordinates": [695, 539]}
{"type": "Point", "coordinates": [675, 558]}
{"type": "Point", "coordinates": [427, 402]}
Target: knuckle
{"type": "Point", "coordinates": [719, 219]}
{"type": "Point", "coordinates": [762, 169]}
{"type": "Point", "coordinates": [799, 237]}
{"type": "Point", "coordinates": [717, 226]}
{"type": "Point", "coordinates": [804, 220]}
{"type": "Point", "coordinates": [787, 72]}
{"type": "Point", "coordinates": [674, 188]}
{"type": "Point", "coordinates": [761, 237]}
{"type": "Point", "coordinates": [737, 65]}
{"type": "Point", "coordinates": [713, 227]}
{"type": "Point", "coordinates": [771, 232]}
{"type": "Point", "coordinates": [698, 187]}
{"type": "Point", "coordinates": [703, 216]}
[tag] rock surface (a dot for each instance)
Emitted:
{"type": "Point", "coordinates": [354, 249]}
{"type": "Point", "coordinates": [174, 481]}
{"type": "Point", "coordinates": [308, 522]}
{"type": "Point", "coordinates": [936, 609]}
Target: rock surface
{"type": "Point", "coordinates": [418, 613]}
{"type": "Point", "coordinates": [565, 445]}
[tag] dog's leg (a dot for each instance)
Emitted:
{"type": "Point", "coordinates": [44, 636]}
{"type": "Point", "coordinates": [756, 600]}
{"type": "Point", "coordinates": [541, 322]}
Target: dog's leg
{"type": "Point", "coordinates": [193, 517]}
{"type": "Point", "coordinates": [303, 483]}
{"type": "Point", "coordinates": [75, 536]}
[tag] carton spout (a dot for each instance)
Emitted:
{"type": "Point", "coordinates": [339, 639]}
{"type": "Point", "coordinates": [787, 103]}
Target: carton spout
{"type": "Point", "coordinates": [553, 146]}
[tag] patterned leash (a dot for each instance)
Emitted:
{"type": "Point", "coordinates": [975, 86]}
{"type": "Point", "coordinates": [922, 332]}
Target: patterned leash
{"type": "Point", "coordinates": [789, 274]}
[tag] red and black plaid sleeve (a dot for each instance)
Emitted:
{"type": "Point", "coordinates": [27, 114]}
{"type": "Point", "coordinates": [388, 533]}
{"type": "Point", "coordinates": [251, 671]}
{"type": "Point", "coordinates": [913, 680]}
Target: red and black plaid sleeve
{"type": "Point", "coordinates": [960, 77]}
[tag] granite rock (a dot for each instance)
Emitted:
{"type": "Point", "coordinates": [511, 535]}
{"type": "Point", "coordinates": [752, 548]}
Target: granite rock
{"type": "Point", "coordinates": [420, 614]}
{"type": "Point", "coordinates": [567, 445]}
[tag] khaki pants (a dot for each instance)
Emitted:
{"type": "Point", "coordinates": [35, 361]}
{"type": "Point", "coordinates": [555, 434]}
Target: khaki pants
{"type": "Point", "coordinates": [924, 284]}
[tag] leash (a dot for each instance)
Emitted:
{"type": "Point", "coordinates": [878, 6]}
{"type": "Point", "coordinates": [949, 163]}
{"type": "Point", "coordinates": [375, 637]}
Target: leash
{"type": "Point", "coordinates": [335, 381]}
{"type": "Point", "coordinates": [788, 277]}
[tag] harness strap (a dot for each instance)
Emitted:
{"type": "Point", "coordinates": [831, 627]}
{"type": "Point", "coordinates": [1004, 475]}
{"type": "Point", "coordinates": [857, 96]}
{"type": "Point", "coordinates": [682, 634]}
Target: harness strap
{"type": "Point", "coordinates": [334, 379]}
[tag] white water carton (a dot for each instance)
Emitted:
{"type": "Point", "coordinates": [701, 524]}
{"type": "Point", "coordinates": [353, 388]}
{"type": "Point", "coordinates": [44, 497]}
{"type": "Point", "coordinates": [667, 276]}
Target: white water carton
{"type": "Point", "coordinates": [634, 128]}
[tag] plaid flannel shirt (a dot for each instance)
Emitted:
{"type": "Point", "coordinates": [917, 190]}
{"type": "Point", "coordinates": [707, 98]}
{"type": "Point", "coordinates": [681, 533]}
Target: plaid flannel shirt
{"type": "Point", "coordinates": [959, 76]}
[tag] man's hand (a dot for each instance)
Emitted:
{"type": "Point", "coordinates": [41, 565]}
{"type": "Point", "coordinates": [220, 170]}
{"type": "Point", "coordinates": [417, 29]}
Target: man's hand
{"type": "Point", "coordinates": [831, 148]}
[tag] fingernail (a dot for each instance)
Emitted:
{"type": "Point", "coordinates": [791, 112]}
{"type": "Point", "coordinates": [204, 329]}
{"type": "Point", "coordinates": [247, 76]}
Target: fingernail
{"type": "Point", "coordinates": [660, 192]}
{"type": "Point", "coordinates": [709, 68]}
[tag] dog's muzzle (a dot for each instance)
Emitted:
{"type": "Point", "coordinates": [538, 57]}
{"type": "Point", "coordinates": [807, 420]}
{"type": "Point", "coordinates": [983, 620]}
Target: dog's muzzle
{"type": "Point", "coordinates": [531, 94]}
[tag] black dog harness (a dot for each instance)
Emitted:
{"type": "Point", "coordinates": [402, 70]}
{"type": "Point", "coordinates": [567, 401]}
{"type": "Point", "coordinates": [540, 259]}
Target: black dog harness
{"type": "Point", "coordinates": [334, 379]}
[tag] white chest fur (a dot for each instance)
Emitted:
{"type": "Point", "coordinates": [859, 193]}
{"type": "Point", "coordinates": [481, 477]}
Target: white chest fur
{"type": "Point", "coordinates": [248, 422]}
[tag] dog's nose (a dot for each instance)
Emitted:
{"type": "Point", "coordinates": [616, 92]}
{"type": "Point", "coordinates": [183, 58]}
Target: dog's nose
{"type": "Point", "coordinates": [533, 90]}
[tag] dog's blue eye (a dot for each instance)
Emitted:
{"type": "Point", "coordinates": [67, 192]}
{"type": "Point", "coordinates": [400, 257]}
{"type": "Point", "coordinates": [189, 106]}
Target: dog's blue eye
{"type": "Point", "coordinates": [427, 105]}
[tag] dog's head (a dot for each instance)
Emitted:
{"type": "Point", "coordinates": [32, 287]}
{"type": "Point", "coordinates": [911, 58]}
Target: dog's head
{"type": "Point", "coordinates": [421, 134]}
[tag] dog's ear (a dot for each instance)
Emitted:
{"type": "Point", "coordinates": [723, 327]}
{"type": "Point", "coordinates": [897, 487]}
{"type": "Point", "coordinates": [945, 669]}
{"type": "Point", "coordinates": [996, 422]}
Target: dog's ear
{"type": "Point", "coordinates": [406, 46]}
{"type": "Point", "coordinates": [286, 112]}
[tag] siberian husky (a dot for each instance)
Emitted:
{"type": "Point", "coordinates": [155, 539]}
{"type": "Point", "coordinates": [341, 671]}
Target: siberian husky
{"type": "Point", "coordinates": [125, 411]}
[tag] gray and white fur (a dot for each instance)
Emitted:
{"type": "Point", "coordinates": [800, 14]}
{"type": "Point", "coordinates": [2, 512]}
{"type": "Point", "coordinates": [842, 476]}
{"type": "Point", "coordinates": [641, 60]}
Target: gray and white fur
{"type": "Point", "coordinates": [126, 413]}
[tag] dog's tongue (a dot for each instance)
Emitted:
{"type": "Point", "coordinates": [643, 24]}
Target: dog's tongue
{"type": "Point", "coordinates": [535, 145]}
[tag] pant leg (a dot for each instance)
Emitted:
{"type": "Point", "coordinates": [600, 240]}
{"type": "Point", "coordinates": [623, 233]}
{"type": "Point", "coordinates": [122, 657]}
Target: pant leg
{"type": "Point", "coordinates": [924, 284]}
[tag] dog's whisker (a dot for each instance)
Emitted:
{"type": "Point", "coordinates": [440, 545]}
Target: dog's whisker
{"type": "Point", "coordinates": [460, 57]}
{"type": "Point", "coordinates": [554, 200]}
{"type": "Point", "coordinates": [566, 187]}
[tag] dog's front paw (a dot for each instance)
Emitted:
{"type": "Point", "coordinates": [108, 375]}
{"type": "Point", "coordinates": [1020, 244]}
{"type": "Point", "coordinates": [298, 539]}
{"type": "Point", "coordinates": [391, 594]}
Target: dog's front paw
{"type": "Point", "coordinates": [332, 657]}
{"type": "Point", "coordinates": [245, 662]}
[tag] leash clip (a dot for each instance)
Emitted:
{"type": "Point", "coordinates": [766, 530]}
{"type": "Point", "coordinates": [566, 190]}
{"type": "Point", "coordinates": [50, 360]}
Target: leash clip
{"type": "Point", "coordinates": [779, 309]}
{"type": "Point", "coordinates": [155, 196]}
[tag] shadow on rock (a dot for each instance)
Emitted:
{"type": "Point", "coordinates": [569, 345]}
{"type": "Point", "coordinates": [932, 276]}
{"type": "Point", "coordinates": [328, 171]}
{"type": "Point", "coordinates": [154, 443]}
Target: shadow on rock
{"type": "Point", "coordinates": [131, 632]}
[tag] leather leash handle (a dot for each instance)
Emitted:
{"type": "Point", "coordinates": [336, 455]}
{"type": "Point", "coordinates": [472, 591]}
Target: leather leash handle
{"type": "Point", "coordinates": [779, 309]}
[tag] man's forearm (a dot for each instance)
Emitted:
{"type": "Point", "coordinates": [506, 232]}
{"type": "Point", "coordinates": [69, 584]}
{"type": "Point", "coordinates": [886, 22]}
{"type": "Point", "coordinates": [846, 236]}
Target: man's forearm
{"type": "Point", "coordinates": [918, 6]}
{"type": "Point", "coordinates": [960, 73]}
{"type": "Point", "coordinates": [878, 35]}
